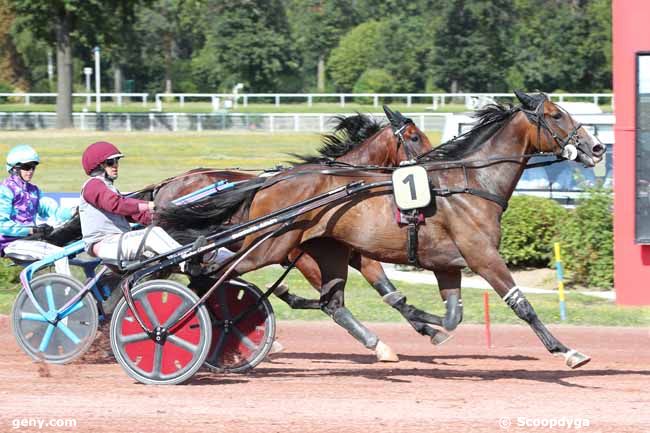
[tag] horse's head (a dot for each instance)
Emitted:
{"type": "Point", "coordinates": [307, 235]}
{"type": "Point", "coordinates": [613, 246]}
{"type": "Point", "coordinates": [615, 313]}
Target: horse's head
{"type": "Point", "coordinates": [557, 132]}
{"type": "Point", "coordinates": [409, 140]}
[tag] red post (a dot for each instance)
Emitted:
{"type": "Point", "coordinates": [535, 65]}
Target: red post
{"type": "Point", "coordinates": [486, 308]}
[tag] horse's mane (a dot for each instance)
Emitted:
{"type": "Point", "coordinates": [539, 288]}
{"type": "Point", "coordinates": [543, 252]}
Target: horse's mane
{"type": "Point", "coordinates": [349, 132]}
{"type": "Point", "coordinates": [490, 119]}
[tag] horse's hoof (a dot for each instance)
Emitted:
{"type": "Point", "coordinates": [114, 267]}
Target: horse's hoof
{"type": "Point", "coordinates": [385, 353]}
{"type": "Point", "coordinates": [575, 359]}
{"type": "Point", "coordinates": [441, 338]}
{"type": "Point", "coordinates": [276, 347]}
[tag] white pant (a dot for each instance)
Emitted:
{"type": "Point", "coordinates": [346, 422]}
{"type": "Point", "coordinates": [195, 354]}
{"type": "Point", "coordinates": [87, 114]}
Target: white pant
{"type": "Point", "coordinates": [38, 250]}
{"type": "Point", "coordinates": [157, 242]}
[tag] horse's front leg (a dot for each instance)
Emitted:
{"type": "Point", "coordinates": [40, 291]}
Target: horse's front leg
{"type": "Point", "coordinates": [374, 273]}
{"type": "Point", "coordinates": [449, 286]}
{"type": "Point", "coordinates": [485, 260]}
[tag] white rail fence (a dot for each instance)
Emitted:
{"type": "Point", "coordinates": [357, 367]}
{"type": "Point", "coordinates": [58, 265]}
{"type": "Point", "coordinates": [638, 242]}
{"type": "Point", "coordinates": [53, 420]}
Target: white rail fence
{"type": "Point", "coordinates": [437, 100]}
{"type": "Point", "coordinates": [119, 98]}
{"type": "Point", "coordinates": [172, 122]}
{"type": "Point", "coordinates": [221, 101]}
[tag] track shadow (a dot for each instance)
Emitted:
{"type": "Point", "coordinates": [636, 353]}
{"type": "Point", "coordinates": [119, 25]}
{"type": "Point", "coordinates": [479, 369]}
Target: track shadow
{"type": "Point", "coordinates": [337, 358]}
{"type": "Point", "coordinates": [395, 374]}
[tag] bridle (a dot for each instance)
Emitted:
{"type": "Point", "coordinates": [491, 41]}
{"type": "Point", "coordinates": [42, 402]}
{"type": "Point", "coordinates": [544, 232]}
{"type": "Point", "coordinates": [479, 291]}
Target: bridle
{"type": "Point", "coordinates": [401, 141]}
{"type": "Point", "coordinates": [569, 146]}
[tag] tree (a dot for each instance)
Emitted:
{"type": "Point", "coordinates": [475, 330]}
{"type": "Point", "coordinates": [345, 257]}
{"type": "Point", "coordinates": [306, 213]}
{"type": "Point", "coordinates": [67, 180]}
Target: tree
{"type": "Point", "coordinates": [471, 48]}
{"type": "Point", "coordinates": [318, 25]}
{"type": "Point", "coordinates": [562, 46]}
{"type": "Point", "coordinates": [12, 69]}
{"type": "Point", "coordinates": [354, 54]}
{"type": "Point", "coordinates": [246, 41]}
{"type": "Point", "coordinates": [64, 23]}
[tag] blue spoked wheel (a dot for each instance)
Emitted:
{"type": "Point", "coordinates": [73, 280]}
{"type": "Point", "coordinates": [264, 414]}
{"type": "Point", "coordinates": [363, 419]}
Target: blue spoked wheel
{"type": "Point", "coordinates": [178, 356]}
{"type": "Point", "coordinates": [71, 336]}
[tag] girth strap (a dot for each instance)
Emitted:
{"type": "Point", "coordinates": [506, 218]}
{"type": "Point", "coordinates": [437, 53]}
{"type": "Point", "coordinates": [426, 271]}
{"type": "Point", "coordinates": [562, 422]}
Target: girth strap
{"type": "Point", "coordinates": [412, 238]}
{"type": "Point", "coordinates": [413, 218]}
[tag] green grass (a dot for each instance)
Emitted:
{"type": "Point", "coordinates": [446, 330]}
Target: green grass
{"type": "Point", "coordinates": [153, 157]}
{"type": "Point", "coordinates": [364, 302]}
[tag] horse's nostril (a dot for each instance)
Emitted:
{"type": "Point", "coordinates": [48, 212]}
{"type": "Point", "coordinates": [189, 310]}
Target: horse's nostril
{"type": "Point", "coordinates": [598, 149]}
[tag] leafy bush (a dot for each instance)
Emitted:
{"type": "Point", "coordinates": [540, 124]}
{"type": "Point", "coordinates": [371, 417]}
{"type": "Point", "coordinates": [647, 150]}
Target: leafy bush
{"type": "Point", "coordinates": [588, 241]}
{"type": "Point", "coordinates": [5, 88]}
{"type": "Point", "coordinates": [528, 230]}
{"type": "Point", "coordinates": [373, 81]}
{"type": "Point", "coordinates": [9, 274]}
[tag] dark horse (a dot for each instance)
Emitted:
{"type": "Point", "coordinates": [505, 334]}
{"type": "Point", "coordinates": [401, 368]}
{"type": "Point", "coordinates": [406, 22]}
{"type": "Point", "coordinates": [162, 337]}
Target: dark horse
{"type": "Point", "coordinates": [472, 179]}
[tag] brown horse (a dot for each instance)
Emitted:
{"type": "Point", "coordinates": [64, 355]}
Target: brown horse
{"type": "Point", "coordinates": [356, 140]}
{"type": "Point", "coordinates": [472, 179]}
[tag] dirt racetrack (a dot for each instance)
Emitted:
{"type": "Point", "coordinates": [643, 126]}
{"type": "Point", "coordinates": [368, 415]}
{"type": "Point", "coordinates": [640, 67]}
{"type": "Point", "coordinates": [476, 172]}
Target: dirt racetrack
{"type": "Point", "coordinates": [326, 382]}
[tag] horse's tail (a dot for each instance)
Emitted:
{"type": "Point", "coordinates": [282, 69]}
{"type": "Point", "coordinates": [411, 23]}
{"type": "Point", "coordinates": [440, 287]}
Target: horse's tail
{"type": "Point", "coordinates": [209, 213]}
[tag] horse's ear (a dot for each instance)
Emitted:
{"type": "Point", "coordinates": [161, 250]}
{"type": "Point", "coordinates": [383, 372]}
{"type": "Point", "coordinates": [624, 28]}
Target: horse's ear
{"type": "Point", "coordinates": [526, 100]}
{"type": "Point", "coordinates": [393, 118]}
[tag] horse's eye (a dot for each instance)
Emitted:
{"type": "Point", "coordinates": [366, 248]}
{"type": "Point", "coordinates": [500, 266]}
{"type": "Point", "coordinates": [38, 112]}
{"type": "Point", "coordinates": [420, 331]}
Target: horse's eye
{"type": "Point", "coordinates": [415, 138]}
{"type": "Point", "coordinates": [557, 115]}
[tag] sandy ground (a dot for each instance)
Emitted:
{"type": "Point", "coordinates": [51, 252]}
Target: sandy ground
{"type": "Point", "coordinates": [326, 382]}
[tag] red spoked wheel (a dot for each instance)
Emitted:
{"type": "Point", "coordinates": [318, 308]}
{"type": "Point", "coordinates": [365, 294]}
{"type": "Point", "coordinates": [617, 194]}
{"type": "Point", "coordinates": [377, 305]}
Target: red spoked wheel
{"type": "Point", "coordinates": [243, 327]}
{"type": "Point", "coordinates": [178, 355]}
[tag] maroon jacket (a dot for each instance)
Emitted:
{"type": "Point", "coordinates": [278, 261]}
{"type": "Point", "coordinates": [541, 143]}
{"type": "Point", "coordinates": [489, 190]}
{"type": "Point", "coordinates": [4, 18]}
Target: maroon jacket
{"type": "Point", "coordinates": [97, 194]}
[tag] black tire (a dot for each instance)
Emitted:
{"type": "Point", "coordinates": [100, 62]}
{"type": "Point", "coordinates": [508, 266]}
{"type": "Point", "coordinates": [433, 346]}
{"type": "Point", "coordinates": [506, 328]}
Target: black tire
{"type": "Point", "coordinates": [181, 354]}
{"type": "Point", "coordinates": [72, 335]}
{"type": "Point", "coordinates": [242, 345]}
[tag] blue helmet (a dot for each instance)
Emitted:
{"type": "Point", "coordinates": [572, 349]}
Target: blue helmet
{"type": "Point", "coordinates": [21, 154]}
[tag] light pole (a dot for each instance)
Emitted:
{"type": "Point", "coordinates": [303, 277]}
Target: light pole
{"type": "Point", "coordinates": [88, 72]}
{"type": "Point", "coordinates": [235, 91]}
{"type": "Point", "coordinates": [98, 102]}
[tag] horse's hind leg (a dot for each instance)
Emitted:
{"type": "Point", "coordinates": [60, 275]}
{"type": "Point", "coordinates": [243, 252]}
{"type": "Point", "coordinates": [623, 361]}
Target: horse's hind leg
{"type": "Point", "coordinates": [332, 259]}
{"type": "Point", "coordinates": [449, 285]}
{"type": "Point", "coordinates": [374, 273]}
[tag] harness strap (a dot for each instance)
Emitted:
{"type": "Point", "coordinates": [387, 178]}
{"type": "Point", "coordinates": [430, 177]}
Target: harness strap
{"type": "Point", "coordinates": [473, 191]}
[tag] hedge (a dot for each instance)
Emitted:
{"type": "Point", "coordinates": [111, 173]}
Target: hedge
{"type": "Point", "coordinates": [528, 229]}
{"type": "Point", "coordinates": [588, 241]}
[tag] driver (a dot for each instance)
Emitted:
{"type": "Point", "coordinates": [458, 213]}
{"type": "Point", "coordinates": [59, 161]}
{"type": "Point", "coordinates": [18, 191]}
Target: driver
{"type": "Point", "coordinates": [105, 213]}
{"type": "Point", "coordinates": [20, 204]}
